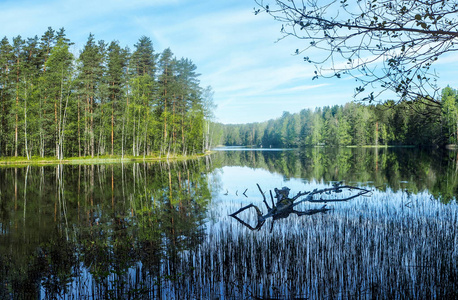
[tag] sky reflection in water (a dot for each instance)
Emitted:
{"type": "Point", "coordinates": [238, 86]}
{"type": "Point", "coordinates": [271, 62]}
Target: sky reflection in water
{"type": "Point", "coordinates": [163, 230]}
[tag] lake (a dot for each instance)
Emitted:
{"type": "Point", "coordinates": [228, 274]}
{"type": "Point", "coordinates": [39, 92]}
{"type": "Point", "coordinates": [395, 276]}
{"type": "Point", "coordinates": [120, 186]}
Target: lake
{"type": "Point", "coordinates": [162, 230]}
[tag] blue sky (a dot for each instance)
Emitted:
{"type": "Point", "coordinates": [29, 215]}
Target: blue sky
{"type": "Point", "coordinates": [254, 77]}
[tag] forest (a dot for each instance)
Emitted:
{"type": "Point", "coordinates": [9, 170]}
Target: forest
{"type": "Point", "coordinates": [413, 123]}
{"type": "Point", "coordinates": [105, 100]}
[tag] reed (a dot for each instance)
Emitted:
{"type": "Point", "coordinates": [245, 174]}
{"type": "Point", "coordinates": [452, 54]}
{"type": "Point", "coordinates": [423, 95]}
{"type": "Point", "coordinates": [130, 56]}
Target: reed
{"type": "Point", "coordinates": [375, 248]}
{"type": "Point", "coordinates": [370, 248]}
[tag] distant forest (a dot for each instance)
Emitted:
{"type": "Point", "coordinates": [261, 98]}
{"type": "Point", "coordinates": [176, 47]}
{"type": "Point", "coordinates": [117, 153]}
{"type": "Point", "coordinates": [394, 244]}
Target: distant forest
{"type": "Point", "coordinates": [406, 123]}
{"type": "Point", "coordinates": [107, 100]}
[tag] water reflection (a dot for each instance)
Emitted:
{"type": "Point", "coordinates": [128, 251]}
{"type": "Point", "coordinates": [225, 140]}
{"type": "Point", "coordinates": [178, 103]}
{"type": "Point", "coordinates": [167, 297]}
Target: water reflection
{"type": "Point", "coordinates": [162, 231]}
{"type": "Point", "coordinates": [398, 169]}
{"type": "Point", "coordinates": [103, 230]}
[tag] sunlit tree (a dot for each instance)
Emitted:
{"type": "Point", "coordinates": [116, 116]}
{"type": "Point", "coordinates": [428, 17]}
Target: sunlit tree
{"type": "Point", "coordinates": [91, 71]}
{"type": "Point", "coordinates": [450, 114]}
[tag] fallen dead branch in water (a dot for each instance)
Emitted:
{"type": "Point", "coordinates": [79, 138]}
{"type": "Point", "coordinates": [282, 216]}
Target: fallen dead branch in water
{"type": "Point", "coordinates": [285, 205]}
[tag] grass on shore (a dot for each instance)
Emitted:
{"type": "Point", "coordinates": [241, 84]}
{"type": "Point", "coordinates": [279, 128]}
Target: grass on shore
{"type": "Point", "coordinates": [105, 159]}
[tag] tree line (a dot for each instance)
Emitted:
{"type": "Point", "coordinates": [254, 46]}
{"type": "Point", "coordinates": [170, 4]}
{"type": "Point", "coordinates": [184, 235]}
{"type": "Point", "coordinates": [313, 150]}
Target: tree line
{"type": "Point", "coordinates": [107, 100]}
{"type": "Point", "coordinates": [407, 123]}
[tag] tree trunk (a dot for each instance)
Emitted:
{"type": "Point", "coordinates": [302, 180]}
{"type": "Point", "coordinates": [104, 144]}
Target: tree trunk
{"type": "Point", "coordinates": [56, 129]}
{"type": "Point", "coordinates": [16, 111]}
{"type": "Point", "coordinates": [165, 109]}
{"type": "Point", "coordinates": [25, 123]}
{"type": "Point", "coordinates": [92, 127]}
{"type": "Point", "coordinates": [79, 134]}
{"type": "Point", "coordinates": [112, 124]}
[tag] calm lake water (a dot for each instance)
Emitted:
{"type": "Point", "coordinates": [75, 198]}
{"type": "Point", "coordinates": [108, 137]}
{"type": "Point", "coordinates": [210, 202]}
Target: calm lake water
{"type": "Point", "coordinates": [162, 230]}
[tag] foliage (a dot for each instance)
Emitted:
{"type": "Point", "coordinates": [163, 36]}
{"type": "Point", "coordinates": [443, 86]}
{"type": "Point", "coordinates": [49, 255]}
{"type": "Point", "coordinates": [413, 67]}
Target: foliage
{"type": "Point", "coordinates": [106, 101]}
{"type": "Point", "coordinates": [407, 123]}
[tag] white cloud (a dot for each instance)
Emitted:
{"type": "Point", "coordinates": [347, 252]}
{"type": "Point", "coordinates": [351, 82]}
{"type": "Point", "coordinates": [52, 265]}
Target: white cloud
{"type": "Point", "coordinates": [253, 77]}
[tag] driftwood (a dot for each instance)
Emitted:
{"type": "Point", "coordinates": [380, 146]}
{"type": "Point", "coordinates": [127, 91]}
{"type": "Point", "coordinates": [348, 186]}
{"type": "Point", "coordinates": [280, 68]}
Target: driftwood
{"type": "Point", "coordinates": [285, 205]}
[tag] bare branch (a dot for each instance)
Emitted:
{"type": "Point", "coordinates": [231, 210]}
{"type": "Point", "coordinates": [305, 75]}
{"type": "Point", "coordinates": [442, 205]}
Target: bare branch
{"type": "Point", "coordinates": [285, 205]}
{"type": "Point", "coordinates": [385, 45]}
{"type": "Point", "coordinates": [264, 198]}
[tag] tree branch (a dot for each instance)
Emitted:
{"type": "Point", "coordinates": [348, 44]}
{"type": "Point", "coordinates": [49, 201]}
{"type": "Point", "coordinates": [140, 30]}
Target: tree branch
{"type": "Point", "coordinates": [385, 45]}
{"type": "Point", "coordinates": [285, 206]}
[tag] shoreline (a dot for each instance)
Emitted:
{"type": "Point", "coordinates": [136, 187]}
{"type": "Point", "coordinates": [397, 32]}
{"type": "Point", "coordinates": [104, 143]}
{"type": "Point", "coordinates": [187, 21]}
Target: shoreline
{"type": "Point", "coordinates": [48, 161]}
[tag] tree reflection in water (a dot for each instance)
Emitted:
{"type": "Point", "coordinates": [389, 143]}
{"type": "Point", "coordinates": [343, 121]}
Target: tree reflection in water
{"type": "Point", "coordinates": [144, 231]}
{"type": "Point", "coordinates": [119, 230]}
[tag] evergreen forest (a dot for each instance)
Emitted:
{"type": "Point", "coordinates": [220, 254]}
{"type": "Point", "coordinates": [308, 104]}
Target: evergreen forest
{"type": "Point", "coordinates": [413, 123]}
{"type": "Point", "coordinates": [105, 100]}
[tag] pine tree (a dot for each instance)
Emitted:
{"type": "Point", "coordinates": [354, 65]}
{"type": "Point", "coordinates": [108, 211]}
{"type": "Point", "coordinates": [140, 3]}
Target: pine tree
{"type": "Point", "coordinates": [188, 96]}
{"type": "Point", "coordinates": [143, 66]}
{"type": "Point", "coordinates": [109, 102]}
{"type": "Point", "coordinates": [58, 86]}
{"type": "Point", "coordinates": [18, 45]}
{"type": "Point", "coordinates": [31, 74]}
{"type": "Point", "coordinates": [450, 114]}
{"type": "Point", "coordinates": [48, 40]}
{"type": "Point", "coordinates": [6, 93]}
{"type": "Point", "coordinates": [45, 117]}
{"type": "Point", "coordinates": [91, 71]}
{"type": "Point", "coordinates": [166, 83]}
{"type": "Point", "coordinates": [115, 77]}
